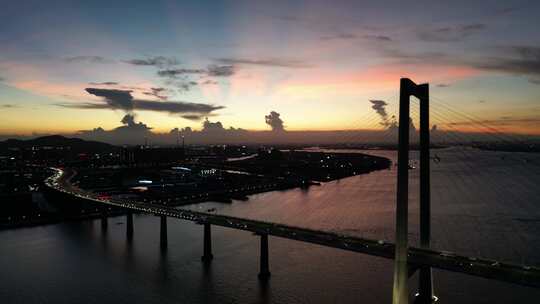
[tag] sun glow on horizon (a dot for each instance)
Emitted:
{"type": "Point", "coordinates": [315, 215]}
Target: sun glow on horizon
{"type": "Point", "coordinates": [317, 65]}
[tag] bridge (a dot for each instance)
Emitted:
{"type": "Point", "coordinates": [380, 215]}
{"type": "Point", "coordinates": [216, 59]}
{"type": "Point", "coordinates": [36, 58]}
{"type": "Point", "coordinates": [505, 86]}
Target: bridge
{"type": "Point", "coordinates": [407, 259]}
{"type": "Point", "coordinates": [418, 257]}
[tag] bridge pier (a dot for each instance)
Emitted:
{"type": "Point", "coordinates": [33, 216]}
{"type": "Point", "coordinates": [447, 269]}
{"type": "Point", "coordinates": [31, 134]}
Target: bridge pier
{"type": "Point", "coordinates": [104, 220]}
{"type": "Point", "coordinates": [425, 287]}
{"type": "Point", "coordinates": [207, 243]}
{"type": "Point", "coordinates": [129, 225]}
{"type": "Point", "coordinates": [163, 231]}
{"type": "Point", "coordinates": [264, 269]}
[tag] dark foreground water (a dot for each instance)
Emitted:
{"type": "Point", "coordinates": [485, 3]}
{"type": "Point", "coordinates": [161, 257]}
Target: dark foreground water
{"type": "Point", "coordinates": [485, 204]}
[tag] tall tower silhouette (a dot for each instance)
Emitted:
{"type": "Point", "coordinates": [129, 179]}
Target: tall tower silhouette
{"type": "Point", "coordinates": [401, 267]}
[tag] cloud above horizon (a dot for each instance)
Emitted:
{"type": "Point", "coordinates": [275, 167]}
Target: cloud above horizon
{"type": "Point", "coordinates": [105, 83]}
{"type": "Point", "coordinates": [380, 107]}
{"type": "Point", "coordinates": [450, 33]}
{"type": "Point", "coordinates": [123, 100]}
{"type": "Point", "coordinates": [180, 72]}
{"type": "Point", "coordinates": [220, 70]}
{"type": "Point", "coordinates": [340, 36]}
{"type": "Point", "coordinates": [269, 62]}
{"type": "Point", "coordinates": [521, 60]}
{"type": "Point", "coordinates": [158, 93]}
{"type": "Point", "coordinates": [89, 59]}
{"type": "Point", "coordinates": [158, 61]}
{"type": "Point", "coordinates": [274, 121]}
{"type": "Point", "coordinates": [184, 79]}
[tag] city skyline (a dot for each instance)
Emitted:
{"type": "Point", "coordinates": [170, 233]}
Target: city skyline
{"type": "Point", "coordinates": [70, 67]}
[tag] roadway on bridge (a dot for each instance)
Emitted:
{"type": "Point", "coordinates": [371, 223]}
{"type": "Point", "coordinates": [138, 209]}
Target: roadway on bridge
{"type": "Point", "coordinates": [491, 269]}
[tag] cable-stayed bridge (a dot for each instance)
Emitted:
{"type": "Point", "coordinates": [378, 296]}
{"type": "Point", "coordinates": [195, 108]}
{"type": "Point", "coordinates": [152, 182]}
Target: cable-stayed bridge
{"type": "Point", "coordinates": [409, 259]}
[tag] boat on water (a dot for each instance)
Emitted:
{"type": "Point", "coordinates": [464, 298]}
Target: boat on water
{"type": "Point", "coordinates": [411, 165]}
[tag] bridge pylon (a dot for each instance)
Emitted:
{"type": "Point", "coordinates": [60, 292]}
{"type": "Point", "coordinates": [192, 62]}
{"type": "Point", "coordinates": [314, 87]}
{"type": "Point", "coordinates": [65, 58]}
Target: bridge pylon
{"type": "Point", "coordinates": [401, 267]}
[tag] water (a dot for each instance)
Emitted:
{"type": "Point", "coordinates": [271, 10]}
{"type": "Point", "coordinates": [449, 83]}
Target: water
{"type": "Point", "coordinates": [484, 204]}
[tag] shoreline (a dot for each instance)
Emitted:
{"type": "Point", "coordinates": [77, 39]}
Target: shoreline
{"type": "Point", "coordinates": [50, 220]}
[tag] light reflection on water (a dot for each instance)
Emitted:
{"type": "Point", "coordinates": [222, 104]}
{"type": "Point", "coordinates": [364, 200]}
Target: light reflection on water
{"type": "Point", "coordinates": [484, 204]}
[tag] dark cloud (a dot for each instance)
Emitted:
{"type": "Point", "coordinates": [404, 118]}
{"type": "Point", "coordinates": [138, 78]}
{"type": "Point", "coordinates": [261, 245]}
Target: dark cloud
{"type": "Point", "coordinates": [529, 52]}
{"type": "Point", "coordinates": [179, 78]}
{"type": "Point", "coordinates": [274, 121]}
{"type": "Point", "coordinates": [209, 81]}
{"type": "Point", "coordinates": [157, 93]}
{"type": "Point", "coordinates": [534, 81]}
{"type": "Point", "coordinates": [116, 99]}
{"type": "Point", "coordinates": [8, 106]}
{"type": "Point", "coordinates": [158, 61]}
{"type": "Point", "coordinates": [193, 117]}
{"type": "Point", "coordinates": [380, 107]}
{"type": "Point", "coordinates": [377, 37]}
{"type": "Point", "coordinates": [175, 107]}
{"type": "Point", "coordinates": [129, 121]}
{"type": "Point", "coordinates": [505, 11]}
{"type": "Point", "coordinates": [341, 36]}
{"type": "Point", "coordinates": [516, 60]}
{"type": "Point", "coordinates": [180, 72]}
{"type": "Point", "coordinates": [454, 33]}
{"type": "Point", "coordinates": [443, 85]}
{"type": "Point", "coordinates": [123, 100]}
{"type": "Point", "coordinates": [89, 59]}
{"type": "Point", "coordinates": [220, 70]}
{"type": "Point", "coordinates": [521, 60]}
{"type": "Point", "coordinates": [131, 132]}
{"type": "Point", "coordinates": [183, 86]}
{"type": "Point", "coordinates": [406, 57]}
{"type": "Point", "coordinates": [209, 126]}
{"type": "Point", "coordinates": [272, 62]}
{"type": "Point", "coordinates": [182, 81]}
{"type": "Point", "coordinates": [106, 83]}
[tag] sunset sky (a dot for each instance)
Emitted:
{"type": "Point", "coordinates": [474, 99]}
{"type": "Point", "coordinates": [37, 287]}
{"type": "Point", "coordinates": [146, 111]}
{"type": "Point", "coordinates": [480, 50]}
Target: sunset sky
{"type": "Point", "coordinates": [67, 66]}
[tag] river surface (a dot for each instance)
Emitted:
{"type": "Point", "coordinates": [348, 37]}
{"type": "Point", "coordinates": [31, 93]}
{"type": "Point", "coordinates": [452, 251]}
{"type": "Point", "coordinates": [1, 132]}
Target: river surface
{"type": "Point", "coordinates": [484, 204]}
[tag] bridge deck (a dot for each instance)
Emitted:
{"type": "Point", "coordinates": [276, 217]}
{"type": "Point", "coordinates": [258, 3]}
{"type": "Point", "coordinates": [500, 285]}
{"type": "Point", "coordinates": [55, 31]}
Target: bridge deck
{"type": "Point", "coordinates": [491, 269]}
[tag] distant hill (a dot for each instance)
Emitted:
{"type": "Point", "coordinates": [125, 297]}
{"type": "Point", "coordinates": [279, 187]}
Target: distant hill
{"type": "Point", "coordinates": [76, 144]}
